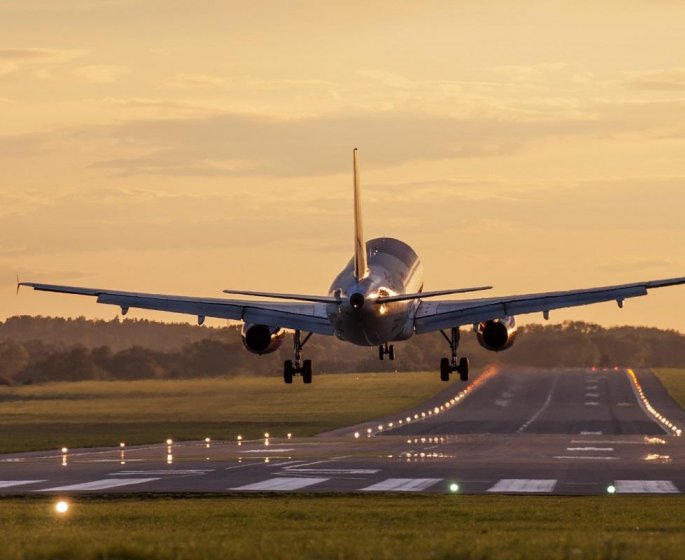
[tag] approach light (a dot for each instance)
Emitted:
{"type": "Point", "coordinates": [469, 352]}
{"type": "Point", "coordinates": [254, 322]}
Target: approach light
{"type": "Point", "coordinates": [64, 450]}
{"type": "Point", "coordinates": [169, 441]}
{"type": "Point", "coordinates": [611, 489]}
{"type": "Point", "coordinates": [62, 507]}
{"type": "Point", "coordinates": [122, 444]}
{"type": "Point", "coordinates": [266, 435]}
{"type": "Point", "coordinates": [356, 435]}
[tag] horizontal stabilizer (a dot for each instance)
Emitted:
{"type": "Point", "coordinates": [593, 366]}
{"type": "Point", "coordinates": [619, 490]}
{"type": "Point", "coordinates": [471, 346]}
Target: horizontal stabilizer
{"type": "Point", "coordinates": [422, 295]}
{"type": "Point", "coordinates": [294, 297]}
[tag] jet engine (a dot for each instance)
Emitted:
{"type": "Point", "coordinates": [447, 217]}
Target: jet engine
{"type": "Point", "coordinates": [261, 339]}
{"type": "Point", "coordinates": [497, 334]}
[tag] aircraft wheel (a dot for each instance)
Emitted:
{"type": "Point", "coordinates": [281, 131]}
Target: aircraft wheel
{"type": "Point", "coordinates": [444, 369]}
{"type": "Point", "coordinates": [463, 369]}
{"type": "Point", "coordinates": [307, 371]}
{"type": "Point", "coordinates": [288, 371]}
{"type": "Point", "coordinates": [391, 352]}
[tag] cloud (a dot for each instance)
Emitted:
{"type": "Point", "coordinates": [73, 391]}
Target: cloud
{"type": "Point", "coordinates": [13, 59]}
{"type": "Point", "coordinates": [101, 73]}
{"type": "Point", "coordinates": [671, 79]}
{"type": "Point", "coordinates": [197, 81]}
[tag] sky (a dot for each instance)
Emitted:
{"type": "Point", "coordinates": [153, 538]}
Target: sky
{"type": "Point", "coordinates": [188, 147]}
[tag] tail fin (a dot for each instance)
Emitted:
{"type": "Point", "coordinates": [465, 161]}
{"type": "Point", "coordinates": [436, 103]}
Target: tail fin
{"type": "Point", "coordinates": [360, 264]}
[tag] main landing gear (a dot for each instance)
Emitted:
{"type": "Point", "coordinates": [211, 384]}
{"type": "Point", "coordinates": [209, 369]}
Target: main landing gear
{"type": "Point", "coordinates": [301, 367]}
{"type": "Point", "coordinates": [447, 366]}
{"type": "Point", "coordinates": [386, 350]}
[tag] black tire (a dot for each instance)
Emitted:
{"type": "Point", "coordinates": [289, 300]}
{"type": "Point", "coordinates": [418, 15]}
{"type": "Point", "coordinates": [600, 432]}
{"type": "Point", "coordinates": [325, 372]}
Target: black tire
{"type": "Point", "coordinates": [463, 369]}
{"type": "Point", "coordinates": [288, 371]}
{"type": "Point", "coordinates": [381, 353]}
{"type": "Point", "coordinates": [445, 369]}
{"type": "Point", "coordinates": [391, 352]}
{"type": "Point", "coordinates": [307, 371]}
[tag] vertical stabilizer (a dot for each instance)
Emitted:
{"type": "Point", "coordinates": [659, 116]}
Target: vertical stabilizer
{"type": "Point", "coordinates": [360, 265]}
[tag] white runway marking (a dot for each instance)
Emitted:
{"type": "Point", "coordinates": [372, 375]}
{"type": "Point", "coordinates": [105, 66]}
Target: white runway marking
{"type": "Point", "coordinates": [599, 433]}
{"type": "Point", "coordinates": [544, 406]}
{"type": "Point", "coordinates": [645, 487]}
{"type": "Point", "coordinates": [402, 485]}
{"type": "Point", "coordinates": [282, 483]}
{"type": "Point", "coordinates": [590, 457]}
{"type": "Point", "coordinates": [591, 388]}
{"type": "Point", "coordinates": [8, 483]}
{"type": "Point", "coordinates": [589, 449]}
{"type": "Point", "coordinates": [99, 484]}
{"type": "Point", "coordinates": [591, 395]}
{"type": "Point", "coordinates": [332, 471]}
{"type": "Point", "coordinates": [591, 403]}
{"type": "Point", "coordinates": [523, 485]}
{"type": "Point", "coordinates": [269, 450]}
{"type": "Point", "coordinates": [162, 472]}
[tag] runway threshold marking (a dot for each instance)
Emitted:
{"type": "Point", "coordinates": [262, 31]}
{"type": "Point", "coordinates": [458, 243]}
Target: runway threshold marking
{"type": "Point", "coordinates": [402, 485]}
{"type": "Point", "coordinates": [99, 484]}
{"type": "Point", "coordinates": [282, 483]}
{"type": "Point", "coordinates": [176, 472]}
{"type": "Point", "coordinates": [9, 483]}
{"type": "Point", "coordinates": [523, 485]}
{"type": "Point", "coordinates": [331, 471]}
{"type": "Point", "coordinates": [645, 487]}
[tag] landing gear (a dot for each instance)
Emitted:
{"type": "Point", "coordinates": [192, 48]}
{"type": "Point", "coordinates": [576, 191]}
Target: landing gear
{"type": "Point", "coordinates": [448, 366]}
{"type": "Point", "coordinates": [304, 368]}
{"type": "Point", "coordinates": [386, 350]}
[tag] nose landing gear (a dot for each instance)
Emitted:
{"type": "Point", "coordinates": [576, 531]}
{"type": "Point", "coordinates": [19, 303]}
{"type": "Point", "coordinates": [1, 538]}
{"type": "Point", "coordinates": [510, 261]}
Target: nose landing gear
{"type": "Point", "coordinates": [448, 366]}
{"type": "Point", "coordinates": [386, 350]}
{"type": "Point", "coordinates": [301, 367]}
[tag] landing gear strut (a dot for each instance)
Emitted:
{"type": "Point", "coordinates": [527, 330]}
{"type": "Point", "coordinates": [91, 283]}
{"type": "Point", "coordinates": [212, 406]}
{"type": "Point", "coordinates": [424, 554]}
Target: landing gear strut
{"type": "Point", "coordinates": [386, 350]}
{"type": "Point", "coordinates": [448, 366]}
{"type": "Point", "coordinates": [302, 367]}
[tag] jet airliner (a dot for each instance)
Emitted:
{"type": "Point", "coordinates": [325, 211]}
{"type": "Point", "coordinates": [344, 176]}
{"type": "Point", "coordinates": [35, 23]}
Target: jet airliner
{"type": "Point", "coordinates": [376, 299]}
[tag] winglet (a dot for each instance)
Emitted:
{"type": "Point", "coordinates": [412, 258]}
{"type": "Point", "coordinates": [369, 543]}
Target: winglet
{"type": "Point", "coordinates": [18, 284]}
{"type": "Point", "coordinates": [360, 262]}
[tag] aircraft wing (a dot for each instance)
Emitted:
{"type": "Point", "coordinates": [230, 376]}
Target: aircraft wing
{"type": "Point", "coordinates": [433, 316]}
{"type": "Point", "coordinates": [310, 317]}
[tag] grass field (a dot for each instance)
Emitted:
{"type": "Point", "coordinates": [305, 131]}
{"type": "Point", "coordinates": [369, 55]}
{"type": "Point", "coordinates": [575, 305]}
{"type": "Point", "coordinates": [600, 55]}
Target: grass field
{"type": "Point", "coordinates": [674, 382]}
{"type": "Point", "coordinates": [92, 413]}
{"type": "Point", "coordinates": [382, 526]}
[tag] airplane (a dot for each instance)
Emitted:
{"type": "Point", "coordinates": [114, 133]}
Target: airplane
{"type": "Point", "coordinates": [375, 300]}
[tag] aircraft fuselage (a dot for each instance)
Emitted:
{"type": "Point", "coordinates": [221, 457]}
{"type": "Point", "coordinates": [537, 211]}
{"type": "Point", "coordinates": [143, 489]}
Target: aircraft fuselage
{"type": "Point", "coordinates": [393, 268]}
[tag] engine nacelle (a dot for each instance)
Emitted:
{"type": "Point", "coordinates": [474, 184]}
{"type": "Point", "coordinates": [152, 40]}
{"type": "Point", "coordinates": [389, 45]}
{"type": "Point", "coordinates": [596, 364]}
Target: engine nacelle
{"type": "Point", "coordinates": [261, 339]}
{"type": "Point", "coordinates": [496, 335]}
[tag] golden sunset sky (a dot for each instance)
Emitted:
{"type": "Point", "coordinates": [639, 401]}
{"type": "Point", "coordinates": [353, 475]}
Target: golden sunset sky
{"type": "Point", "coordinates": [187, 147]}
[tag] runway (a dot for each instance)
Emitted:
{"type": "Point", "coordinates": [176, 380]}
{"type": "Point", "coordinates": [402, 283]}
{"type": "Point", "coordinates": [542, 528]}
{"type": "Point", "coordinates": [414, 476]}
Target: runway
{"type": "Point", "coordinates": [509, 431]}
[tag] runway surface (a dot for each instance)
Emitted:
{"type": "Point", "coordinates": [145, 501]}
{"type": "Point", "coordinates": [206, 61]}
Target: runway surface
{"type": "Point", "coordinates": [514, 431]}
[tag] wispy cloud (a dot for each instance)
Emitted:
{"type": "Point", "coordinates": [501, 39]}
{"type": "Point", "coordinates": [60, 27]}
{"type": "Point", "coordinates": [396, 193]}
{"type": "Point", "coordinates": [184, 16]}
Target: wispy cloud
{"type": "Point", "coordinates": [102, 73]}
{"type": "Point", "coordinates": [670, 79]}
{"type": "Point", "coordinates": [12, 59]}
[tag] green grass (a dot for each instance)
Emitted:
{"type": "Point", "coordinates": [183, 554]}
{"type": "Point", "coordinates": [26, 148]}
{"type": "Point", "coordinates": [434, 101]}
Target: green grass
{"type": "Point", "coordinates": [674, 382]}
{"type": "Point", "coordinates": [92, 413]}
{"type": "Point", "coordinates": [380, 526]}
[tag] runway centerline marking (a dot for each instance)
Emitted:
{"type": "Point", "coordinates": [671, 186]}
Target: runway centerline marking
{"type": "Point", "coordinates": [591, 395]}
{"type": "Point", "coordinates": [645, 487]}
{"type": "Point", "coordinates": [523, 485]}
{"type": "Point", "coordinates": [598, 433]}
{"type": "Point", "coordinates": [9, 483]}
{"type": "Point", "coordinates": [544, 406]}
{"type": "Point", "coordinates": [402, 485]}
{"type": "Point", "coordinates": [282, 483]}
{"type": "Point", "coordinates": [99, 484]}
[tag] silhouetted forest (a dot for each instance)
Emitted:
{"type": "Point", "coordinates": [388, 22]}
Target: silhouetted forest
{"type": "Point", "coordinates": [37, 349]}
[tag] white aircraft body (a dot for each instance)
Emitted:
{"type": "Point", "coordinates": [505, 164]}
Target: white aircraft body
{"type": "Point", "coordinates": [378, 298]}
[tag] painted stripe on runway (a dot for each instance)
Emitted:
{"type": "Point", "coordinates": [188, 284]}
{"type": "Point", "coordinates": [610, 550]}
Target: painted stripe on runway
{"type": "Point", "coordinates": [589, 449]}
{"type": "Point", "coordinates": [99, 484]}
{"type": "Point", "coordinates": [589, 457]}
{"type": "Point", "coordinates": [525, 485]}
{"type": "Point", "coordinates": [645, 487]}
{"type": "Point", "coordinates": [591, 403]}
{"type": "Point", "coordinates": [8, 483]}
{"type": "Point", "coordinates": [402, 485]}
{"type": "Point", "coordinates": [332, 471]}
{"type": "Point", "coordinates": [591, 395]}
{"type": "Point", "coordinates": [598, 433]}
{"type": "Point", "coordinates": [170, 472]}
{"type": "Point", "coordinates": [282, 483]}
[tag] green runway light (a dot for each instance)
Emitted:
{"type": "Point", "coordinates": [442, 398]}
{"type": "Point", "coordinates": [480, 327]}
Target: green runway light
{"type": "Point", "coordinates": [611, 489]}
{"type": "Point", "coordinates": [454, 487]}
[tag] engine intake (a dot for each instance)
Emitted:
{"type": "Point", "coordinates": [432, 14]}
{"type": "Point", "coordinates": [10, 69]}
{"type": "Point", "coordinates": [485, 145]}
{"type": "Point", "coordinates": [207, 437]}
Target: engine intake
{"type": "Point", "coordinates": [497, 334]}
{"type": "Point", "coordinates": [262, 339]}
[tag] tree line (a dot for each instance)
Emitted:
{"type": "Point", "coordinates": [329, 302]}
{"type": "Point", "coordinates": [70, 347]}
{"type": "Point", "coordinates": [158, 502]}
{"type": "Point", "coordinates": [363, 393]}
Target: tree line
{"type": "Point", "coordinates": [40, 349]}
